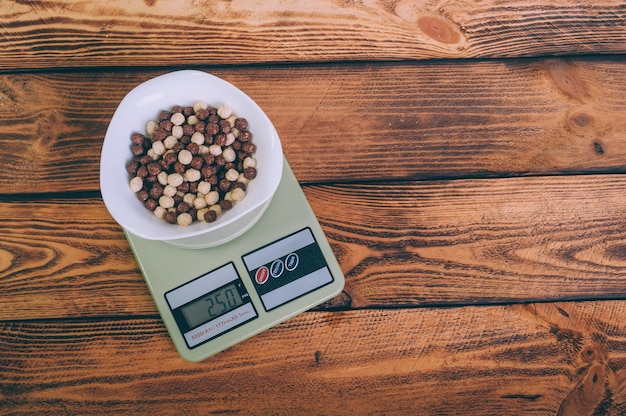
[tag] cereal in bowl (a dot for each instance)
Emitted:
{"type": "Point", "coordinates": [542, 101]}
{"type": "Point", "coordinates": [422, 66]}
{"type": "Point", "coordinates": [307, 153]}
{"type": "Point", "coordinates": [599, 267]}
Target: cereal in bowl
{"type": "Point", "coordinates": [192, 163]}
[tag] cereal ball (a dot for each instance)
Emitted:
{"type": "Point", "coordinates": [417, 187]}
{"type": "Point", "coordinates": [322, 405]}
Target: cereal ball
{"type": "Point", "coordinates": [170, 216]}
{"type": "Point", "coordinates": [136, 184]}
{"type": "Point", "coordinates": [174, 179]}
{"type": "Point", "coordinates": [215, 150]}
{"type": "Point", "coordinates": [177, 119]}
{"type": "Point", "coordinates": [200, 105]}
{"type": "Point", "coordinates": [166, 201]}
{"type": "Point", "coordinates": [212, 198]}
{"type": "Point", "coordinates": [232, 175]}
{"type": "Point", "coordinates": [185, 157]}
{"type": "Point", "coordinates": [229, 154]}
{"type": "Point", "coordinates": [169, 142]}
{"type": "Point", "coordinates": [159, 212]}
{"type": "Point", "coordinates": [193, 175]}
{"type": "Point", "coordinates": [169, 190]}
{"type": "Point", "coordinates": [204, 187]}
{"type": "Point", "coordinates": [151, 127]}
{"type": "Point", "coordinates": [224, 111]}
{"type": "Point", "coordinates": [249, 162]}
{"type": "Point", "coordinates": [177, 131]}
{"type": "Point", "coordinates": [199, 203]}
{"type": "Point", "coordinates": [237, 194]}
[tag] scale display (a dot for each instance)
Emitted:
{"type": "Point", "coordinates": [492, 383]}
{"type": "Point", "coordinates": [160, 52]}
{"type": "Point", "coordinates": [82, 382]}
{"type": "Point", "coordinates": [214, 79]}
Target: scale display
{"type": "Point", "coordinates": [224, 304]}
{"type": "Point", "coordinates": [225, 294]}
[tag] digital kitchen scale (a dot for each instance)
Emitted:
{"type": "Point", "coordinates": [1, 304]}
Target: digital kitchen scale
{"type": "Point", "coordinates": [213, 298]}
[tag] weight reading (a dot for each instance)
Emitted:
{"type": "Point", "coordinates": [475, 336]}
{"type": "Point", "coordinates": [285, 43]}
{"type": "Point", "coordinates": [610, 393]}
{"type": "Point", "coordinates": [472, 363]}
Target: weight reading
{"type": "Point", "coordinates": [223, 301]}
{"type": "Point", "coordinates": [212, 305]}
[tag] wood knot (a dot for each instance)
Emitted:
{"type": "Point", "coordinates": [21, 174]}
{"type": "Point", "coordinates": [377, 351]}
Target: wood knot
{"type": "Point", "coordinates": [48, 131]}
{"type": "Point", "coordinates": [439, 29]}
{"type": "Point", "coordinates": [590, 353]}
{"type": "Point", "coordinates": [567, 80]}
{"type": "Point", "coordinates": [581, 120]}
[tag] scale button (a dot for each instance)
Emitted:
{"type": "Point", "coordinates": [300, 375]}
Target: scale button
{"type": "Point", "coordinates": [277, 268]}
{"type": "Point", "coordinates": [291, 262]}
{"type": "Point", "coordinates": [262, 274]}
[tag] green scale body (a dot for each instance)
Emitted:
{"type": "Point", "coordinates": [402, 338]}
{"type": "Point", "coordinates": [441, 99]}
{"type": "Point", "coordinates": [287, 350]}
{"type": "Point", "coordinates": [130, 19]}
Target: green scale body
{"type": "Point", "coordinates": [213, 298]}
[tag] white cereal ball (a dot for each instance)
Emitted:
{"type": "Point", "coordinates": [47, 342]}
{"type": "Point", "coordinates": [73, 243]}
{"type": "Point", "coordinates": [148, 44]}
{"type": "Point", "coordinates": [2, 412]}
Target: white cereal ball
{"type": "Point", "coordinates": [212, 197]}
{"type": "Point", "coordinates": [188, 198]}
{"type": "Point", "coordinates": [249, 162]}
{"type": "Point", "coordinates": [230, 138]}
{"type": "Point", "coordinates": [159, 212]}
{"type": "Point", "coordinates": [197, 138]}
{"type": "Point", "coordinates": [231, 120]}
{"type": "Point", "coordinates": [237, 194]}
{"type": "Point", "coordinates": [177, 119]}
{"type": "Point", "coordinates": [162, 177]}
{"type": "Point", "coordinates": [169, 142]}
{"type": "Point", "coordinates": [192, 120]}
{"type": "Point", "coordinates": [169, 190]}
{"type": "Point", "coordinates": [200, 105]}
{"type": "Point", "coordinates": [184, 219]}
{"type": "Point", "coordinates": [166, 201]}
{"type": "Point", "coordinates": [224, 111]}
{"type": "Point", "coordinates": [158, 148]}
{"type": "Point", "coordinates": [204, 187]}
{"type": "Point", "coordinates": [177, 131]}
{"type": "Point", "coordinates": [217, 208]}
{"type": "Point", "coordinates": [199, 203]}
{"type": "Point", "coordinates": [192, 175]}
{"type": "Point", "coordinates": [215, 149]}
{"type": "Point", "coordinates": [203, 149]}
{"type": "Point", "coordinates": [151, 126]}
{"type": "Point", "coordinates": [229, 154]}
{"type": "Point", "coordinates": [174, 179]}
{"type": "Point", "coordinates": [136, 184]}
{"type": "Point", "coordinates": [185, 157]}
{"type": "Point", "coordinates": [232, 175]}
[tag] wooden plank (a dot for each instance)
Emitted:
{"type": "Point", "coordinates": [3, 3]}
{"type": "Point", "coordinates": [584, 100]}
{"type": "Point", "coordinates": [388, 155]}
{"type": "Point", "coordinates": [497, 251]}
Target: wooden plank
{"type": "Point", "coordinates": [399, 244]}
{"type": "Point", "coordinates": [72, 33]}
{"type": "Point", "coordinates": [478, 241]}
{"type": "Point", "coordinates": [557, 359]}
{"type": "Point", "coordinates": [340, 122]}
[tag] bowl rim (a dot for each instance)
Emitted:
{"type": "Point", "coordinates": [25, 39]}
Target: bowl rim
{"type": "Point", "coordinates": [117, 201]}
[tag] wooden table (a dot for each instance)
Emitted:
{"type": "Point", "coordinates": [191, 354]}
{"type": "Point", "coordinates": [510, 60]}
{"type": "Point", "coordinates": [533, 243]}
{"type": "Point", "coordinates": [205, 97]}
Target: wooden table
{"type": "Point", "coordinates": [467, 162]}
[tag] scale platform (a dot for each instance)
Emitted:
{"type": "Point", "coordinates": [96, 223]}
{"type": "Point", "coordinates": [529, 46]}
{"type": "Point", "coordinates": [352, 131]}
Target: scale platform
{"type": "Point", "coordinates": [213, 298]}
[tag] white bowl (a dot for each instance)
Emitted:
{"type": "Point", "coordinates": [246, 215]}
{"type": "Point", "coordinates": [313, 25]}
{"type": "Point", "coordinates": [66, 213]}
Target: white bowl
{"type": "Point", "coordinates": [144, 103]}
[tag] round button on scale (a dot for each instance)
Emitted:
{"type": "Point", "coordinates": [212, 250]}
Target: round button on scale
{"type": "Point", "coordinates": [291, 262]}
{"type": "Point", "coordinates": [277, 268]}
{"type": "Point", "coordinates": [261, 275]}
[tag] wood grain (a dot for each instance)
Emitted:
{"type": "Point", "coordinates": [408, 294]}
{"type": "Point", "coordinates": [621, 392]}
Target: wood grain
{"type": "Point", "coordinates": [479, 241]}
{"type": "Point", "coordinates": [49, 34]}
{"type": "Point", "coordinates": [399, 244]}
{"type": "Point", "coordinates": [466, 160]}
{"type": "Point", "coordinates": [444, 120]}
{"type": "Point", "coordinates": [539, 359]}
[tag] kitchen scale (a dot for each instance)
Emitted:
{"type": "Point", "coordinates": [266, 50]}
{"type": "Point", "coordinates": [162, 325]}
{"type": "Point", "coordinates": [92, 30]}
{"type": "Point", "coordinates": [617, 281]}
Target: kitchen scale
{"type": "Point", "coordinates": [212, 298]}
